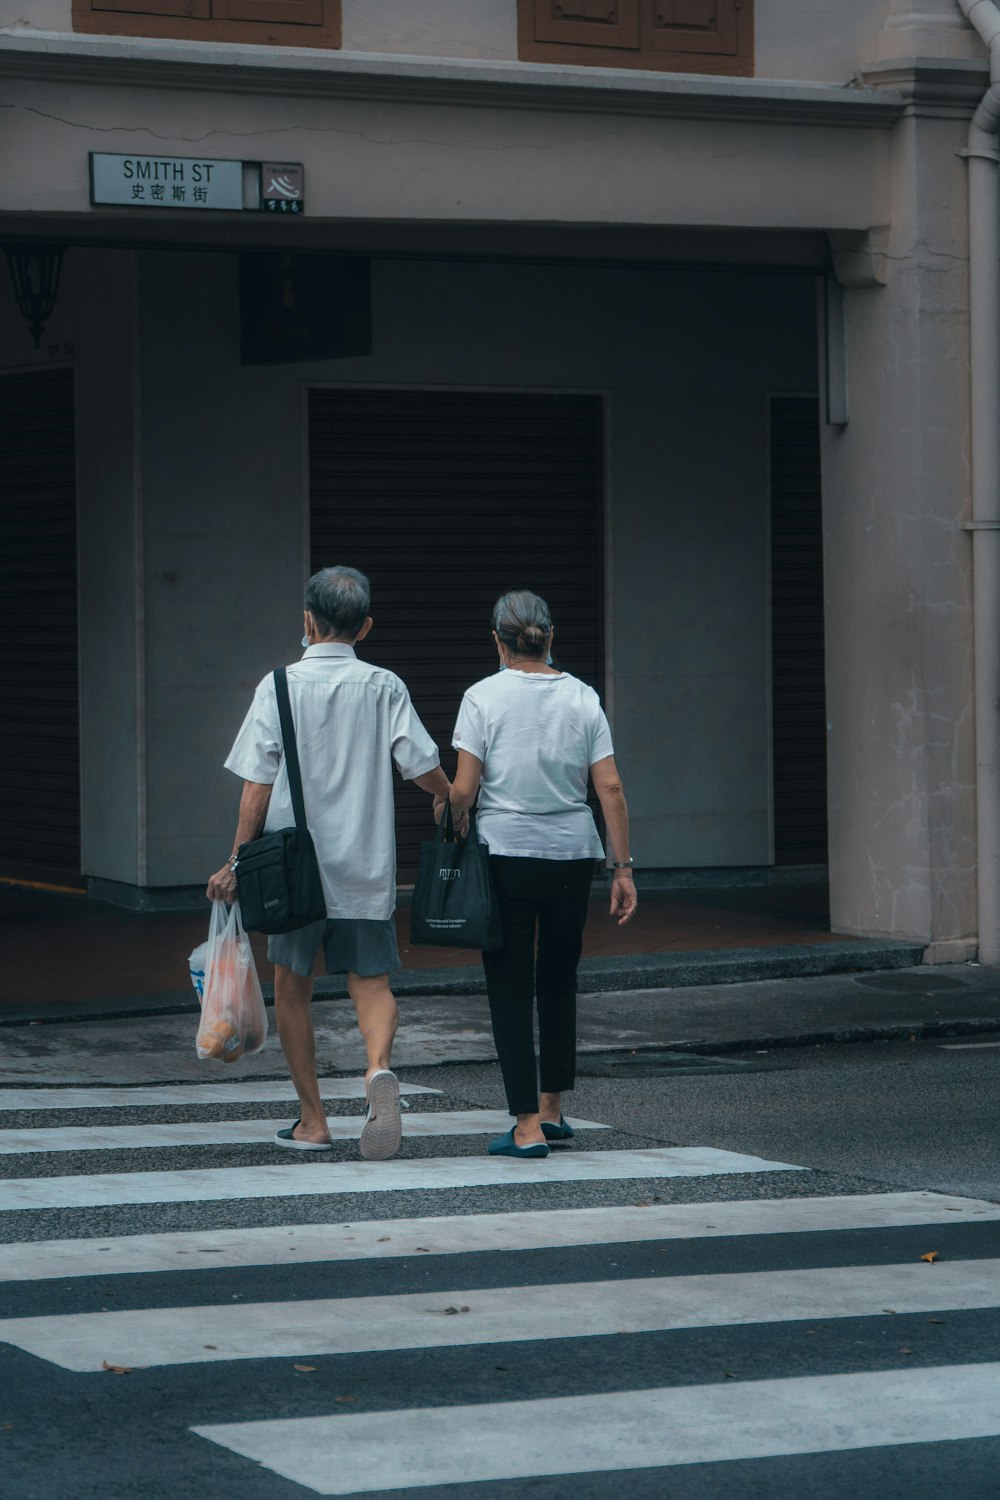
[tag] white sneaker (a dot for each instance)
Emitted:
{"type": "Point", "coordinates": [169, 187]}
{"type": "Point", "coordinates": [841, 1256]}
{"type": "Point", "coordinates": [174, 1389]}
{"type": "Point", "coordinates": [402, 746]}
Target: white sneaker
{"type": "Point", "coordinates": [383, 1127]}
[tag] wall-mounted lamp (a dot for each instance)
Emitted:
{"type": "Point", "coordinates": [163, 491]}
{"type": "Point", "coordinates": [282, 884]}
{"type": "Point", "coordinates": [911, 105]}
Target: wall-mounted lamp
{"type": "Point", "coordinates": [34, 270]}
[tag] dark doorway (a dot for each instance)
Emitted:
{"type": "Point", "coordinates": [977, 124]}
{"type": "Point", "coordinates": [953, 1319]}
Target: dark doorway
{"type": "Point", "coordinates": [798, 689]}
{"type": "Point", "coordinates": [446, 499]}
{"type": "Point", "coordinates": [40, 745]}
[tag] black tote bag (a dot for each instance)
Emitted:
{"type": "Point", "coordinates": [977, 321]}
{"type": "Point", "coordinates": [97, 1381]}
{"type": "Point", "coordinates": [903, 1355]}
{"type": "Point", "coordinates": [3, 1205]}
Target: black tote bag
{"type": "Point", "coordinates": [454, 903]}
{"type": "Point", "coordinates": [277, 875]}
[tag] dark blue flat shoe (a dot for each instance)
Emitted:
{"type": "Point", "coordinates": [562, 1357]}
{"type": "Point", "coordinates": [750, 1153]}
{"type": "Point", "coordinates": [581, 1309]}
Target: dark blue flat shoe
{"type": "Point", "coordinates": [505, 1145]}
{"type": "Point", "coordinates": [560, 1132]}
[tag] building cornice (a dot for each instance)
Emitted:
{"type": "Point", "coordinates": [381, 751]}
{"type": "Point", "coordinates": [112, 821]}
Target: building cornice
{"type": "Point", "coordinates": [128, 62]}
{"type": "Point", "coordinates": [932, 85]}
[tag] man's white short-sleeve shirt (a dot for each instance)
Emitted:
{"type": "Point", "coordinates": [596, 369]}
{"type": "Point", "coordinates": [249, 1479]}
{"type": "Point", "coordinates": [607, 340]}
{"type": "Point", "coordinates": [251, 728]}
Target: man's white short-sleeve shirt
{"type": "Point", "coordinates": [537, 735]}
{"type": "Point", "coordinates": [353, 721]}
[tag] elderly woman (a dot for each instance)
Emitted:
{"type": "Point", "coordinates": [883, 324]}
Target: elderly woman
{"type": "Point", "coordinates": [527, 738]}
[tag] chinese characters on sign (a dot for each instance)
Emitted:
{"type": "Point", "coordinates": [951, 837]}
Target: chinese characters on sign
{"type": "Point", "coordinates": [195, 182]}
{"type": "Point", "coordinates": [166, 181]}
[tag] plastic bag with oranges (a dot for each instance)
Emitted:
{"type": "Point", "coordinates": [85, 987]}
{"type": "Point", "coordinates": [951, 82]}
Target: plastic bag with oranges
{"type": "Point", "coordinates": [233, 1018]}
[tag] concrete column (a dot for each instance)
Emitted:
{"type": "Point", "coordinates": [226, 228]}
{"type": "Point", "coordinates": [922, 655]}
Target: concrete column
{"type": "Point", "coordinates": [899, 605]}
{"type": "Point", "coordinates": [926, 28]}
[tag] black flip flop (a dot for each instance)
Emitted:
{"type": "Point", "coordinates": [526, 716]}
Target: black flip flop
{"type": "Point", "coordinates": [287, 1138]}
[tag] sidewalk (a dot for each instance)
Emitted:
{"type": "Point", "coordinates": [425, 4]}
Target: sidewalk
{"type": "Point", "coordinates": [632, 1033]}
{"type": "Point", "coordinates": [66, 956]}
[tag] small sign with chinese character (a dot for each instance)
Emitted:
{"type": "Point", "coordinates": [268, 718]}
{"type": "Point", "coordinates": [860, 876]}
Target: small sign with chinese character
{"type": "Point", "coordinates": [282, 187]}
{"type": "Point", "coordinates": [166, 181]}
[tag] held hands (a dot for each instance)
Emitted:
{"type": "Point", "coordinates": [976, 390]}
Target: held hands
{"type": "Point", "coordinates": [222, 886]}
{"type": "Point", "coordinates": [624, 900]}
{"type": "Point", "coordinates": [461, 820]}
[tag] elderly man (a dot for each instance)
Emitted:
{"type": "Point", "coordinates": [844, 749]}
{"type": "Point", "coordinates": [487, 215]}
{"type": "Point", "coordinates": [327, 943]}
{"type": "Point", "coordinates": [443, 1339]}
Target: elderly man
{"type": "Point", "coordinates": [352, 721]}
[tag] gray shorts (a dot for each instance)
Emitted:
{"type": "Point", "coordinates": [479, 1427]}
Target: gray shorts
{"type": "Point", "coordinates": [349, 944]}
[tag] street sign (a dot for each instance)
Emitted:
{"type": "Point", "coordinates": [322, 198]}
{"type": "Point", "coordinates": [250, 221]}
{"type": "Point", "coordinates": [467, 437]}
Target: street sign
{"type": "Point", "coordinates": [194, 182]}
{"type": "Point", "coordinates": [166, 181]}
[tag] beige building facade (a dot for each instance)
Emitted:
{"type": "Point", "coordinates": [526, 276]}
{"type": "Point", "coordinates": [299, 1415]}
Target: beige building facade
{"type": "Point", "coordinates": [595, 298]}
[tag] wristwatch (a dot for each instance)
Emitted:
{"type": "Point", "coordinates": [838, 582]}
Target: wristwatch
{"type": "Point", "coordinates": [622, 864]}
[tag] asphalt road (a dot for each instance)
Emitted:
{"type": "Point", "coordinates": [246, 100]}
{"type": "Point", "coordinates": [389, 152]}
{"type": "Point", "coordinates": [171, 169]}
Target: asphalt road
{"type": "Point", "coordinates": [762, 1325]}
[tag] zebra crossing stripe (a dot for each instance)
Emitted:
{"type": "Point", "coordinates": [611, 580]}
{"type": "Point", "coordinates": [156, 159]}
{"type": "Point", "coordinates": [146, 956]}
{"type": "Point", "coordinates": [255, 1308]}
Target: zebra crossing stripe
{"type": "Point", "coordinates": [243, 1132]}
{"type": "Point", "coordinates": [496, 1315]}
{"type": "Point", "coordinates": [223, 1184]}
{"type": "Point", "coordinates": [299, 1244]}
{"type": "Point", "coordinates": [357, 1453]}
{"type": "Point", "coordinates": [247, 1091]}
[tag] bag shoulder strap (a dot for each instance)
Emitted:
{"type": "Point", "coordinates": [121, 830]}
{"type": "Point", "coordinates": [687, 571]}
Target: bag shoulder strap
{"type": "Point", "coordinates": [290, 747]}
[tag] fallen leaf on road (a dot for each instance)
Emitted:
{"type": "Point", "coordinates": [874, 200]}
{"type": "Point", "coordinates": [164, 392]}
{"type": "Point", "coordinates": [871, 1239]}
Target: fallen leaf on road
{"type": "Point", "coordinates": [931, 1256]}
{"type": "Point", "coordinates": [451, 1312]}
{"type": "Point", "coordinates": [116, 1369]}
{"type": "Point", "coordinates": [891, 1310]}
{"type": "Point", "coordinates": [906, 1351]}
{"type": "Point", "coordinates": [306, 1369]}
{"type": "Point", "coordinates": [343, 1400]}
{"type": "Point", "coordinates": [210, 1346]}
{"type": "Point", "coordinates": [423, 1250]}
{"type": "Point", "coordinates": [383, 1239]}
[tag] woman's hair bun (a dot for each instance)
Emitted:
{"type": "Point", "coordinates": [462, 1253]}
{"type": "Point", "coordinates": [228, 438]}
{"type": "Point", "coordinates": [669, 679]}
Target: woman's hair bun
{"type": "Point", "coordinates": [522, 622]}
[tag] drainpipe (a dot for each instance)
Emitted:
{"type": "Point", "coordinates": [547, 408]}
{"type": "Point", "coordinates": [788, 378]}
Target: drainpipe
{"type": "Point", "coordinates": [984, 308]}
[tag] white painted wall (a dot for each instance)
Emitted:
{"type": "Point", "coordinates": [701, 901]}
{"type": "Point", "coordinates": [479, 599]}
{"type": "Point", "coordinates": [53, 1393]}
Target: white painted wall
{"type": "Point", "coordinates": [815, 40]}
{"type": "Point", "coordinates": [432, 28]}
{"type": "Point", "coordinates": [433, 163]}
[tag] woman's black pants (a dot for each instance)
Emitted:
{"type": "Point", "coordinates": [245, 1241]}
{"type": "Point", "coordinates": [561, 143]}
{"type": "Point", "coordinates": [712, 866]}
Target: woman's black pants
{"type": "Point", "coordinates": [548, 896]}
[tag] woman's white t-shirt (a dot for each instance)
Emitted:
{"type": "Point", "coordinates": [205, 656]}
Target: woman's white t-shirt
{"type": "Point", "coordinates": [537, 735]}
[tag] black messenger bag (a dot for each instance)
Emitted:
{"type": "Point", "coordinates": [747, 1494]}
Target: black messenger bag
{"type": "Point", "coordinates": [277, 874]}
{"type": "Point", "coordinates": [454, 903]}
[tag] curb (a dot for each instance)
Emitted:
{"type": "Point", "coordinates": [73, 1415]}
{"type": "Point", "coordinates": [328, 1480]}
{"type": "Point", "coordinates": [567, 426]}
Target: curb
{"type": "Point", "coordinates": [894, 1031]}
{"type": "Point", "coordinates": [639, 971]}
{"type": "Point", "coordinates": [917, 1031]}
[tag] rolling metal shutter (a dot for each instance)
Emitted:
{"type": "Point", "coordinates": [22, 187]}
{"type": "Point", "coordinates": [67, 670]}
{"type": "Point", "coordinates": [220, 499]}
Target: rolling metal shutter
{"type": "Point", "coordinates": [40, 744]}
{"type": "Point", "coordinates": [797, 635]}
{"type": "Point", "coordinates": [446, 499]}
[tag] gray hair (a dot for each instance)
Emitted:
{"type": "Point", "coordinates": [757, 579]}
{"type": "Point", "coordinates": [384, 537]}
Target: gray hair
{"type": "Point", "coordinates": [522, 622]}
{"type": "Point", "coordinates": [339, 600]}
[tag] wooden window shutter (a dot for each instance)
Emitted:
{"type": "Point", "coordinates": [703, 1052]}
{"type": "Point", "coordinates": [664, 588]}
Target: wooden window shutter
{"type": "Point", "coordinates": [272, 23]}
{"type": "Point", "coordinates": [667, 36]}
{"type": "Point", "coordinates": [286, 12]}
{"type": "Point", "coordinates": [194, 10]}
{"type": "Point", "coordinates": [588, 23]}
{"type": "Point", "coordinates": [691, 26]}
